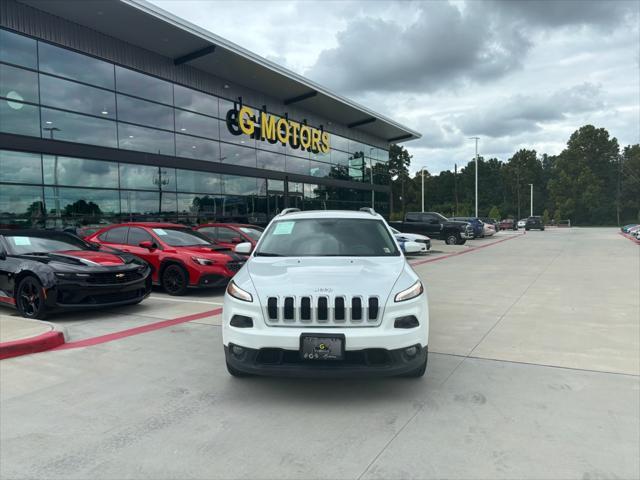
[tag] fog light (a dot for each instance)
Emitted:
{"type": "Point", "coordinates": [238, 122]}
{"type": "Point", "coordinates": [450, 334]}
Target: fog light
{"type": "Point", "coordinates": [411, 351]}
{"type": "Point", "coordinates": [240, 321]}
{"type": "Point", "coordinates": [406, 322]}
{"type": "Point", "coordinates": [237, 351]}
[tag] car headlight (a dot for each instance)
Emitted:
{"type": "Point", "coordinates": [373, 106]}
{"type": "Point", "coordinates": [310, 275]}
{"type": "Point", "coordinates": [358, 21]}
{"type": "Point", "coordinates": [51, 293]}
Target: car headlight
{"type": "Point", "coordinates": [236, 292]}
{"type": "Point", "coordinates": [203, 261]}
{"type": "Point", "coordinates": [412, 292]}
{"type": "Point", "coordinates": [71, 275]}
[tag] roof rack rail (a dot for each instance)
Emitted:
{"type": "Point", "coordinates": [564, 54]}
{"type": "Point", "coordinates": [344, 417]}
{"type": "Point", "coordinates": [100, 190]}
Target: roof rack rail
{"type": "Point", "coordinates": [288, 210]}
{"type": "Point", "coordinates": [368, 210]}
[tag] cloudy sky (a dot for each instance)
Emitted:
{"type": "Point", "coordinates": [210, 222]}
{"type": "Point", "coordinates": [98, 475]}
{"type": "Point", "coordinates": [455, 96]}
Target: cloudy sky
{"type": "Point", "coordinates": [518, 74]}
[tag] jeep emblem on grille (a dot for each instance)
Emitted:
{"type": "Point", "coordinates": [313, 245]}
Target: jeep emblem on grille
{"type": "Point", "coordinates": [323, 290]}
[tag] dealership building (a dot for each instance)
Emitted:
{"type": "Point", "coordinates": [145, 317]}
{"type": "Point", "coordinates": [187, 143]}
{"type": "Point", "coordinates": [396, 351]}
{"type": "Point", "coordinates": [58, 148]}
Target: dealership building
{"type": "Point", "coordinates": [117, 110]}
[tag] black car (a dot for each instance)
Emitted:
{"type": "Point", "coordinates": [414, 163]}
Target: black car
{"type": "Point", "coordinates": [534, 223]}
{"type": "Point", "coordinates": [42, 271]}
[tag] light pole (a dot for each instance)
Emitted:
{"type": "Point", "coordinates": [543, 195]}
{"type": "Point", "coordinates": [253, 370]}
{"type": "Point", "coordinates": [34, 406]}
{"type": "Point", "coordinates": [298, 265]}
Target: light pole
{"type": "Point", "coordinates": [531, 188]}
{"type": "Point", "coordinates": [422, 174]}
{"type": "Point", "coordinates": [476, 139]}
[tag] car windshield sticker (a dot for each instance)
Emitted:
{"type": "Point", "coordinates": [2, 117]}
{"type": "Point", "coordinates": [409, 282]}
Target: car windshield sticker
{"type": "Point", "coordinates": [21, 240]}
{"type": "Point", "coordinates": [159, 231]}
{"type": "Point", "coordinates": [386, 250]}
{"type": "Point", "coordinates": [284, 228]}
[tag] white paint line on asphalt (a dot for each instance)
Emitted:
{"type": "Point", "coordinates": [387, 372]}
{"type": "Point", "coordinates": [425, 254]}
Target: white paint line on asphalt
{"type": "Point", "coordinates": [183, 300]}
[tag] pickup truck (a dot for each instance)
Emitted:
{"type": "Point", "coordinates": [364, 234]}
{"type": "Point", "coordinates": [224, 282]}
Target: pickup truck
{"type": "Point", "coordinates": [435, 225]}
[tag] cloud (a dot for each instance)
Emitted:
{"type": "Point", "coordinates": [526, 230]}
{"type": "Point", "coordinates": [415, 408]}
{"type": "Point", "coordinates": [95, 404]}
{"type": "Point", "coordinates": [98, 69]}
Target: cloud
{"type": "Point", "coordinates": [559, 13]}
{"type": "Point", "coordinates": [444, 45]}
{"type": "Point", "coordinates": [526, 113]}
{"type": "Point", "coordinates": [448, 45]}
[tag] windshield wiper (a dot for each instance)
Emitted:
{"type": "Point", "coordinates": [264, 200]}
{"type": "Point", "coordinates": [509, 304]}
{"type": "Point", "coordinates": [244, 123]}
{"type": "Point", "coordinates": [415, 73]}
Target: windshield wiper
{"type": "Point", "coordinates": [268, 254]}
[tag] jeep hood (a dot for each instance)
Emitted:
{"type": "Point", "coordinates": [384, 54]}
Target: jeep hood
{"type": "Point", "coordinates": [330, 276]}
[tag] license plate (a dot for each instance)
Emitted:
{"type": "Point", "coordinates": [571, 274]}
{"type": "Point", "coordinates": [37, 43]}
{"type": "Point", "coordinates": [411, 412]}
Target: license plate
{"type": "Point", "coordinates": [322, 347]}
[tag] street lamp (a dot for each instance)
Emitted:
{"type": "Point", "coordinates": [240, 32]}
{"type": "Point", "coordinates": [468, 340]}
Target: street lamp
{"type": "Point", "coordinates": [476, 139]}
{"type": "Point", "coordinates": [531, 188]}
{"type": "Point", "coordinates": [422, 175]}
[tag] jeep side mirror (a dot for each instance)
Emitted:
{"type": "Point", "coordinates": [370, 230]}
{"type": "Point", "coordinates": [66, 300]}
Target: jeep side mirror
{"type": "Point", "coordinates": [243, 248]}
{"type": "Point", "coordinates": [3, 255]}
{"type": "Point", "coordinates": [148, 244]}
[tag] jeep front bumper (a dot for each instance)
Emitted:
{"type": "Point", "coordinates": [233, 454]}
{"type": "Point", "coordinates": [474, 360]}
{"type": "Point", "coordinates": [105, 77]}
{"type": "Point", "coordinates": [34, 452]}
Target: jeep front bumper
{"type": "Point", "coordinates": [360, 363]}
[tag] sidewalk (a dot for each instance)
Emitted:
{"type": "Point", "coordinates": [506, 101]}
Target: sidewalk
{"type": "Point", "coordinates": [19, 336]}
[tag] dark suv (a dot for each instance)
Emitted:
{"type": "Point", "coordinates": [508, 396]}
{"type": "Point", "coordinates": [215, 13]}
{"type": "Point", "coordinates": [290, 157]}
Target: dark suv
{"type": "Point", "coordinates": [534, 223]}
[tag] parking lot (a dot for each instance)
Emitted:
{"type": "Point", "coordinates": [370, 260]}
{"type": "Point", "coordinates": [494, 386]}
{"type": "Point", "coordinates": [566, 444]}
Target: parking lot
{"type": "Point", "coordinates": [534, 372]}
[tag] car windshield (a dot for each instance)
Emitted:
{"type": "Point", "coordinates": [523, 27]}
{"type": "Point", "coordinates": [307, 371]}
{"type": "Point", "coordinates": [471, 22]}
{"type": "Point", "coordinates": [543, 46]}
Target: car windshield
{"type": "Point", "coordinates": [320, 237]}
{"type": "Point", "coordinates": [23, 244]}
{"type": "Point", "coordinates": [252, 233]}
{"type": "Point", "coordinates": [181, 237]}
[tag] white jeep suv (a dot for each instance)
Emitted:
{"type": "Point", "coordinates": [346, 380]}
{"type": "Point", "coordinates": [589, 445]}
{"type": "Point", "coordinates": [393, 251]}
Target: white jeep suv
{"type": "Point", "coordinates": [326, 293]}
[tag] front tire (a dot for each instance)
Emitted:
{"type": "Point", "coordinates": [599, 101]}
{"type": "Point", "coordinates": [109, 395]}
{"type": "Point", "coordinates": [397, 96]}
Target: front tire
{"type": "Point", "coordinates": [452, 239]}
{"type": "Point", "coordinates": [30, 298]}
{"type": "Point", "coordinates": [175, 280]}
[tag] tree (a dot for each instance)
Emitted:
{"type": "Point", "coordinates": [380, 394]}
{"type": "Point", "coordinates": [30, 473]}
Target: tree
{"type": "Point", "coordinates": [399, 162]}
{"type": "Point", "coordinates": [584, 178]}
{"type": "Point", "coordinates": [629, 171]}
{"type": "Point", "coordinates": [494, 213]}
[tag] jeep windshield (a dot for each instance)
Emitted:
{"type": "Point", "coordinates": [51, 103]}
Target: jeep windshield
{"type": "Point", "coordinates": [327, 237]}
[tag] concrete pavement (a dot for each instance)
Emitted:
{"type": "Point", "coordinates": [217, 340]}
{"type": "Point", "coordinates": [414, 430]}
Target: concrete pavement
{"type": "Point", "coordinates": [551, 402]}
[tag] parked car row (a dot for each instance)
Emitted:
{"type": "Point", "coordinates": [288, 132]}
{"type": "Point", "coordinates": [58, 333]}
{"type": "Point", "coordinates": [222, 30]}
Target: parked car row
{"type": "Point", "coordinates": [454, 231]}
{"type": "Point", "coordinates": [632, 229]}
{"type": "Point", "coordinates": [46, 270]}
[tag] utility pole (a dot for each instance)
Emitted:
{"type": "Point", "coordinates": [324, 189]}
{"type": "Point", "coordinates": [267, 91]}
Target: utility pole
{"type": "Point", "coordinates": [455, 184]}
{"type": "Point", "coordinates": [476, 139]}
{"type": "Point", "coordinates": [422, 174]}
{"type": "Point", "coordinates": [531, 202]}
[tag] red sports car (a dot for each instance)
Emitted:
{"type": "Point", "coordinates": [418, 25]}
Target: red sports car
{"type": "Point", "coordinates": [179, 257]}
{"type": "Point", "coordinates": [228, 235]}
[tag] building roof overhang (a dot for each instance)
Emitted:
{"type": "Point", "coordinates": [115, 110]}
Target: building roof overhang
{"type": "Point", "coordinates": [145, 25]}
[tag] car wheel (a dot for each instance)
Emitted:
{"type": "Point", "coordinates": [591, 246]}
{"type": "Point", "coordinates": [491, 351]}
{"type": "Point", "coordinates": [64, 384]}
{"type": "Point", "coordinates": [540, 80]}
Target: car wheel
{"type": "Point", "coordinates": [526, 229]}
{"type": "Point", "coordinates": [175, 280]}
{"type": "Point", "coordinates": [420, 371]}
{"type": "Point", "coordinates": [30, 298]}
{"type": "Point", "coordinates": [235, 372]}
{"type": "Point", "coordinates": [542, 229]}
{"type": "Point", "coordinates": [452, 239]}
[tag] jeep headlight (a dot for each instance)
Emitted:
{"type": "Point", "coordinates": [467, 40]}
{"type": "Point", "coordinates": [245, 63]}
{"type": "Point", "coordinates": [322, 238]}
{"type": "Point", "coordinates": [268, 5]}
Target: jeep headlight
{"type": "Point", "coordinates": [413, 291]}
{"type": "Point", "coordinates": [236, 292]}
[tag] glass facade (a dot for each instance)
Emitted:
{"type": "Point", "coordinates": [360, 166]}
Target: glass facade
{"type": "Point", "coordinates": [51, 92]}
{"type": "Point", "coordinates": [38, 190]}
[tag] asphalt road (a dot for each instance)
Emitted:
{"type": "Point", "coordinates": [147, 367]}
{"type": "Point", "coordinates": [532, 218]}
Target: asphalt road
{"type": "Point", "coordinates": [533, 373]}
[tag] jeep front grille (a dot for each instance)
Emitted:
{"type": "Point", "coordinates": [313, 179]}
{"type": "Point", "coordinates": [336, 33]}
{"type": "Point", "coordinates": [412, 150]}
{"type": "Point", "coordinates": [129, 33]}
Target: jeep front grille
{"type": "Point", "coordinates": [323, 311]}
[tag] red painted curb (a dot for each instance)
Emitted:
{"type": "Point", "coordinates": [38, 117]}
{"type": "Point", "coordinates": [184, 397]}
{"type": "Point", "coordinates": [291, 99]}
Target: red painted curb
{"type": "Point", "coordinates": [110, 337]}
{"type": "Point", "coordinates": [40, 343]}
{"type": "Point", "coordinates": [629, 237]}
{"type": "Point", "coordinates": [472, 249]}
